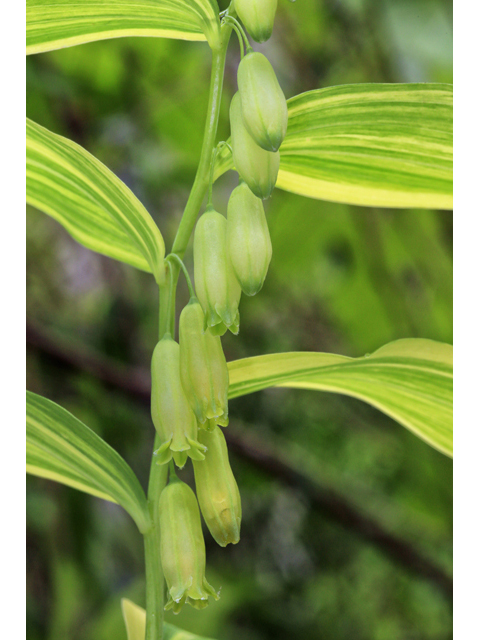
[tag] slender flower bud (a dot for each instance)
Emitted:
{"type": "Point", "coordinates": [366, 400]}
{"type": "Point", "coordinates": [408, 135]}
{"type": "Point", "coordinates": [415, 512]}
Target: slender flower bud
{"type": "Point", "coordinates": [182, 548]}
{"type": "Point", "coordinates": [248, 239]}
{"type": "Point", "coordinates": [203, 368]}
{"type": "Point", "coordinates": [264, 107]}
{"type": "Point", "coordinates": [172, 415]}
{"type": "Point", "coordinates": [215, 282]}
{"type": "Point", "coordinates": [257, 16]}
{"type": "Point", "coordinates": [259, 168]}
{"type": "Point", "coordinates": [217, 489]}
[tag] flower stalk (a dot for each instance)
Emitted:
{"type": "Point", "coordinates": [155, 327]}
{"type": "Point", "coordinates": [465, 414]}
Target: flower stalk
{"type": "Point", "coordinates": [158, 473]}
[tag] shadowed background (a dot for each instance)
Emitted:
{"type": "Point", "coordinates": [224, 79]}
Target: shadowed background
{"type": "Point", "coordinates": [347, 519]}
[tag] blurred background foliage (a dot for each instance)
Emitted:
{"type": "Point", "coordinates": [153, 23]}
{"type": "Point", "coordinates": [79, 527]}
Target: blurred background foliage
{"type": "Point", "coordinates": [343, 279]}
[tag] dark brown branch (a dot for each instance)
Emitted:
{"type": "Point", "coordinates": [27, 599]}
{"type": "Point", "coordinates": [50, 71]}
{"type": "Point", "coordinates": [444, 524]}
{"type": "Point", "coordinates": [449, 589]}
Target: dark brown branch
{"type": "Point", "coordinates": [255, 450]}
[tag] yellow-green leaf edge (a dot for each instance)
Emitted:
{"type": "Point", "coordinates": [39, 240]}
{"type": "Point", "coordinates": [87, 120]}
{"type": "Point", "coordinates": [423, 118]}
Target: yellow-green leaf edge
{"type": "Point", "coordinates": [61, 448]}
{"type": "Point", "coordinates": [410, 380]}
{"type": "Point", "coordinates": [55, 24]}
{"type": "Point", "coordinates": [97, 208]}
{"type": "Point", "coordinates": [375, 145]}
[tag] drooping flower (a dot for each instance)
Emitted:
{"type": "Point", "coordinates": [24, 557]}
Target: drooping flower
{"type": "Point", "coordinates": [264, 108]}
{"type": "Point", "coordinates": [203, 368]}
{"type": "Point", "coordinates": [248, 239]}
{"type": "Point", "coordinates": [217, 489]}
{"type": "Point", "coordinates": [257, 17]}
{"type": "Point", "coordinates": [215, 282]}
{"type": "Point", "coordinates": [172, 415]}
{"type": "Point", "coordinates": [182, 548]}
{"type": "Point", "coordinates": [259, 168]}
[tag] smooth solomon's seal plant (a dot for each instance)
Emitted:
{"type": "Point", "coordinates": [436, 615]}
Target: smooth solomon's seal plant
{"type": "Point", "coordinates": [347, 143]}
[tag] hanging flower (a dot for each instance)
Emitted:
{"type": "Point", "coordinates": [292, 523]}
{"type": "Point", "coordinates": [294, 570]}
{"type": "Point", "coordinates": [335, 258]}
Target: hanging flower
{"type": "Point", "coordinates": [182, 548]}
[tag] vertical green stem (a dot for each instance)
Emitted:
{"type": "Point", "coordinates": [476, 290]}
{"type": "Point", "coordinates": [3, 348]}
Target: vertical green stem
{"type": "Point", "coordinates": [158, 474]}
{"type": "Point", "coordinates": [200, 184]}
{"type": "Point", "coordinates": [153, 565]}
{"type": "Point", "coordinates": [166, 322]}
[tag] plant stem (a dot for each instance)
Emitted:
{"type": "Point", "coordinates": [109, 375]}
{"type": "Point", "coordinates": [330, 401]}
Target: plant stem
{"type": "Point", "coordinates": [242, 36]}
{"type": "Point", "coordinates": [201, 181]}
{"type": "Point", "coordinates": [179, 261]}
{"type": "Point", "coordinates": [166, 323]}
{"type": "Point", "coordinates": [200, 184]}
{"type": "Point", "coordinates": [153, 565]}
{"type": "Point", "coordinates": [158, 474]}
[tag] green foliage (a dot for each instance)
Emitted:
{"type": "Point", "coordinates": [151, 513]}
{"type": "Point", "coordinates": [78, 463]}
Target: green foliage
{"type": "Point", "coordinates": [384, 145]}
{"type": "Point", "coordinates": [344, 274]}
{"type": "Point", "coordinates": [410, 380]}
{"type": "Point", "coordinates": [62, 448]}
{"type": "Point", "coordinates": [90, 202]}
{"type": "Point", "coordinates": [62, 23]}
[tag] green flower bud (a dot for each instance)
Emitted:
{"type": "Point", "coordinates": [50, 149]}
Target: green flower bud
{"type": "Point", "coordinates": [217, 489]}
{"type": "Point", "coordinates": [182, 548]}
{"type": "Point", "coordinates": [248, 239]}
{"type": "Point", "coordinates": [259, 168]}
{"type": "Point", "coordinates": [203, 368]}
{"type": "Point", "coordinates": [257, 16]}
{"type": "Point", "coordinates": [172, 415]}
{"type": "Point", "coordinates": [215, 282]}
{"type": "Point", "coordinates": [264, 107]}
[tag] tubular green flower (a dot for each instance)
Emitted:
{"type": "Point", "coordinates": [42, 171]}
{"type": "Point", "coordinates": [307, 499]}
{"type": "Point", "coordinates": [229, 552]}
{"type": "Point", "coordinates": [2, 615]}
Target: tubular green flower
{"type": "Point", "coordinates": [264, 107]}
{"type": "Point", "coordinates": [172, 415]}
{"type": "Point", "coordinates": [182, 548]}
{"type": "Point", "coordinates": [257, 16]}
{"type": "Point", "coordinates": [259, 168]}
{"type": "Point", "coordinates": [203, 368]}
{"type": "Point", "coordinates": [248, 239]}
{"type": "Point", "coordinates": [215, 282]}
{"type": "Point", "coordinates": [217, 489]}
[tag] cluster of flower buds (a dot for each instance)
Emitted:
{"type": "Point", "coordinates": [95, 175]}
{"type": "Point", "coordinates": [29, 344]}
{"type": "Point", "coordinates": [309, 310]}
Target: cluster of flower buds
{"type": "Point", "coordinates": [189, 400]}
{"type": "Point", "coordinates": [189, 388]}
{"type": "Point", "coordinates": [233, 255]}
{"type": "Point", "coordinates": [190, 378]}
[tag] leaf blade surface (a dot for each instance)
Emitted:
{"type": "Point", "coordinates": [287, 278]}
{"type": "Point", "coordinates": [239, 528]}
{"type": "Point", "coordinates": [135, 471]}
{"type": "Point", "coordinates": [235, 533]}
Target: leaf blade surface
{"type": "Point", "coordinates": [381, 145]}
{"type": "Point", "coordinates": [61, 448]}
{"type": "Point", "coordinates": [54, 24]}
{"type": "Point", "coordinates": [410, 380]}
{"type": "Point", "coordinates": [95, 207]}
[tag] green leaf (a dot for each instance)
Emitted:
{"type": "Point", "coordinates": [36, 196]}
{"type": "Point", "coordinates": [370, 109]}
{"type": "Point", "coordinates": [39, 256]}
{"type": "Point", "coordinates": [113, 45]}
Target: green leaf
{"type": "Point", "coordinates": [93, 205]}
{"type": "Point", "coordinates": [54, 24]}
{"type": "Point", "coordinates": [378, 145]}
{"type": "Point", "coordinates": [410, 380]}
{"type": "Point", "coordinates": [61, 448]}
{"type": "Point", "coordinates": [135, 618]}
